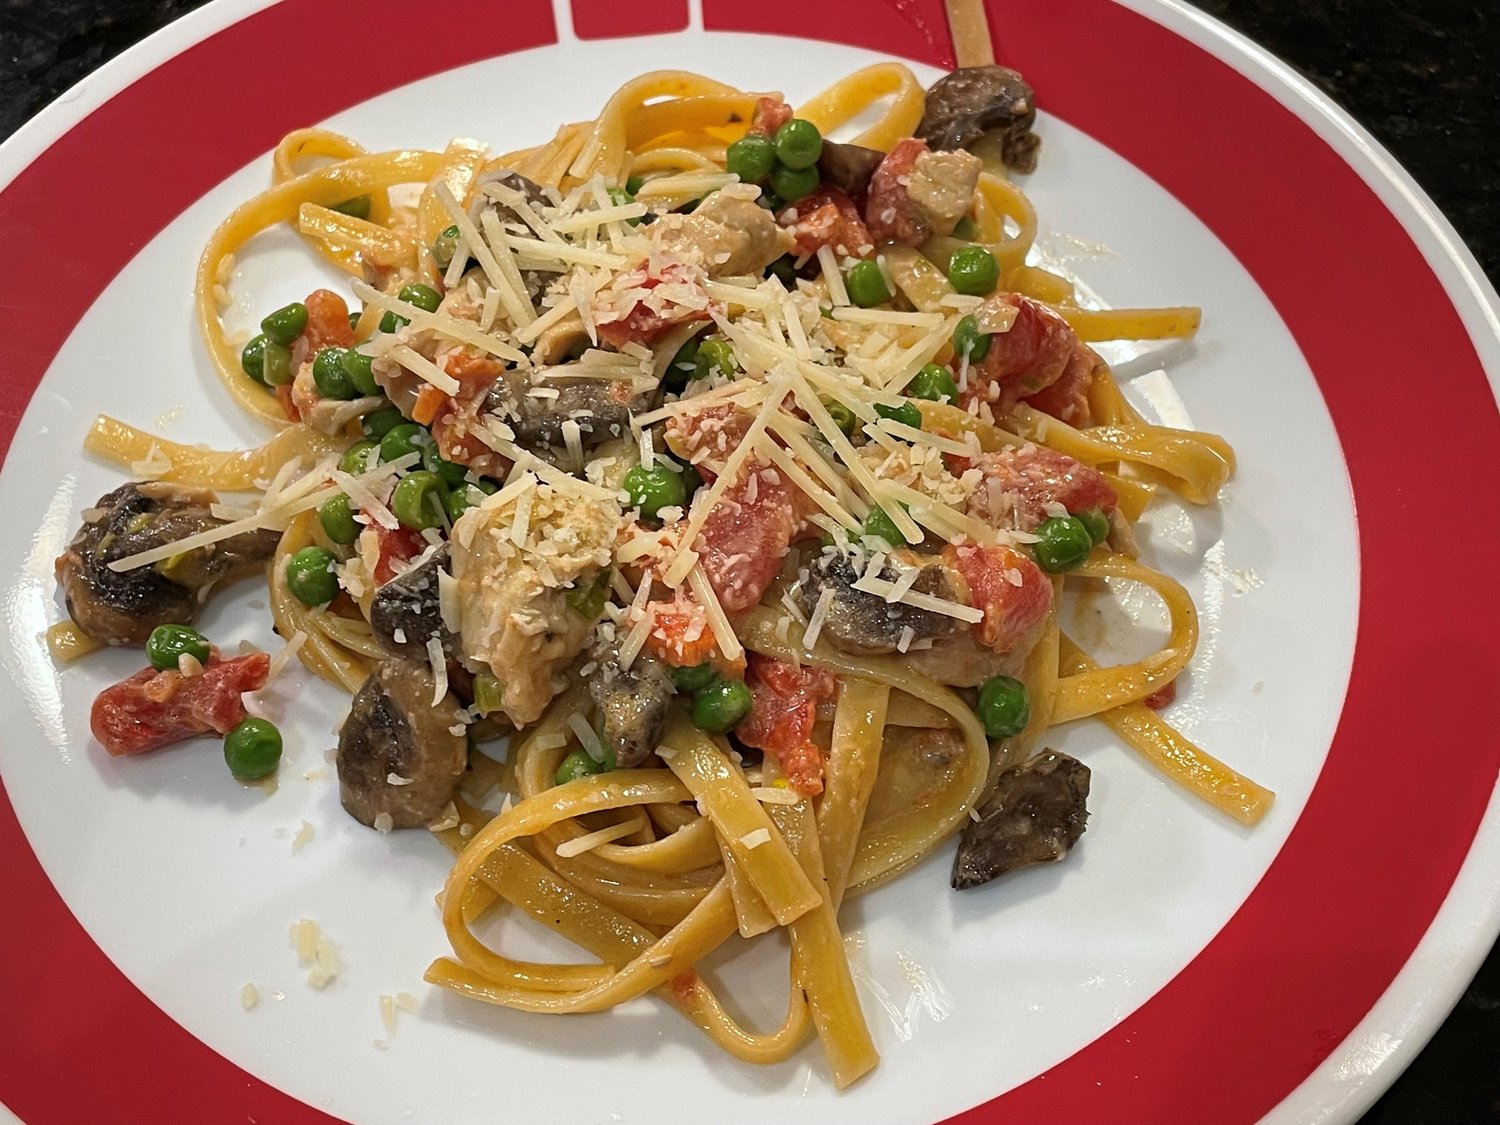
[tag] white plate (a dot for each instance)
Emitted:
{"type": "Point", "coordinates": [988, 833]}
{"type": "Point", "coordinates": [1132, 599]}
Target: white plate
{"type": "Point", "coordinates": [188, 883]}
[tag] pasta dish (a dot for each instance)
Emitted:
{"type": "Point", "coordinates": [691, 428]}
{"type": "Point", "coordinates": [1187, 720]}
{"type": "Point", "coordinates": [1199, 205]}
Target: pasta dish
{"type": "Point", "coordinates": [687, 503]}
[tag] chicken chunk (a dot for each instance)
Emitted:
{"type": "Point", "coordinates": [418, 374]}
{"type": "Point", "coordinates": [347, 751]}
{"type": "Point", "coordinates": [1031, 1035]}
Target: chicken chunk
{"type": "Point", "coordinates": [522, 605]}
{"type": "Point", "coordinates": [728, 234]}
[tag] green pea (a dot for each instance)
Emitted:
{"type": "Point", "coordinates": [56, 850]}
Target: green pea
{"type": "Point", "coordinates": [329, 374]}
{"type": "Point", "coordinates": [634, 184]}
{"type": "Point", "coordinates": [1097, 524]}
{"type": "Point", "coordinates": [793, 183]}
{"type": "Point", "coordinates": [418, 500]}
{"type": "Point", "coordinates": [907, 414]}
{"type": "Point", "coordinates": [1003, 707]}
{"type": "Point", "coordinates": [692, 480]}
{"type": "Point", "coordinates": [655, 488]}
{"type": "Point", "coordinates": [390, 322]}
{"type": "Point", "coordinates": [579, 764]}
{"type": "Point", "coordinates": [798, 144]}
{"type": "Point", "coordinates": [842, 416]}
{"type": "Point", "coordinates": [356, 458]}
{"type": "Point", "coordinates": [969, 341]}
{"type": "Point", "coordinates": [973, 271]}
{"type": "Point", "coordinates": [694, 679]}
{"type": "Point", "coordinates": [337, 517]}
{"type": "Point", "coordinates": [445, 247]}
{"type": "Point", "coordinates": [400, 440]}
{"type": "Point", "coordinates": [354, 320]}
{"type": "Point", "coordinates": [934, 383]}
{"type": "Point", "coordinates": [684, 366]}
{"type": "Point", "coordinates": [715, 357]}
{"type": "Point", "coordinates": [425, 297]}
{"type": "Point", "coordinates": [360, 370]}
{"type": "Point", "coordinates": [721, 706]}
{"type": "Point", "coordinates": [784, 270]}
{"type": "Point", "coordinates": [879, 524]}
{"type": "Point", "coordinates": [286, 323]}
{"type": "Point", "coordinates": [866, 285]}
{"type": "Point", "coordinates": [966, 229]}
{"type": "Point", "coordinates": [467, 495]}
{"type": "Point", "coordinates": [380, 422]}
{"type": "Point", "coordinates": [275, 364]}
{"type": "Point", "coordinates": [252, 750]}
{"type": "Point", "coordinates": [751, 158]}
{"type": "Point", "coordinates": [1062, 543]}
{"type": "Point", "coordinates": [252, 359]}
{"type": "Point", "coordinates": [356, 208]}
{"type": "Point", "coordinates": [449, 473]}
{"type": "Point", "coordinates": [588, 601]}
{"type": "Point", "coordinates": [167, 642]}
{"type": "Point", "coordinates": [310, 577]}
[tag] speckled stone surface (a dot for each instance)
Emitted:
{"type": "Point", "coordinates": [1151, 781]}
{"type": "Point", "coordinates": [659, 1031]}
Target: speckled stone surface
{"type": "Point", "coordinates": [1421, 75]}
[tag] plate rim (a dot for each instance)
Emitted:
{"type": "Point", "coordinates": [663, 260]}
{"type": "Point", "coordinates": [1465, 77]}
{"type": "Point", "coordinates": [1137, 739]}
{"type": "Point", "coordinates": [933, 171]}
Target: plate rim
{"type": "Point", "coordinates": [1476, 300]}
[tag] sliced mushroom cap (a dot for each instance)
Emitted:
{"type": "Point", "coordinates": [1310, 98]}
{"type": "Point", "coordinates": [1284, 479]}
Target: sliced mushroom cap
{"type": "Point", "coordinates": [972, 101]}
{"type": "Point", "coordinates": [866, 624]}
{"type": "Point", "coordinates": [848, 167]}
{"type": "Point", "coordinates": [405, 613]}
{"type": "Point", "coordinates": [592, 403]}
{"type": "Point", "coordinates": [632, 703]}
{"type": "Point", "coordinates": [398, 754]}
{"type": "Point", "coordinates": [1036, 814]}
{"type": "Point", "coordinates": [122, 607]}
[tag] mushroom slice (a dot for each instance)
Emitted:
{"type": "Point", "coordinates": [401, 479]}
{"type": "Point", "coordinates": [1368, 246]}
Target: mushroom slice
{"type": "Point", "coordinates": [122, 607]}
{"type": "Point", "coordinates": [398, 755]}
{"type": "Point", "coordinates": [1037, 813]}
{"type": "Point", "coordinates": [972, 101]}
{"type": "Point", "coordinates": [633, 704]}
{"type": "Point", "coordinates": [406, 613]}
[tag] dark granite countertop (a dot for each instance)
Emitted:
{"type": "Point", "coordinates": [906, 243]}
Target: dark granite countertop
{"type": "Point", "coordinates": [1421, 77]}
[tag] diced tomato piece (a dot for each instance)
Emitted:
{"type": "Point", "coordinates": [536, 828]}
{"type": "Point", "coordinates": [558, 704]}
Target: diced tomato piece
{"type": "Point", "coordinates": [1068, 398]}
{"type": "Point", "coordinates": [1163, 696]}
{"type": "Point", "coordinates": [453, 419]}
{"type": "Point", "coordinates": [828, 217]}
{"type": "Point", "coordinates": [643, 323]}
{"type": "Point", "coordinates": [770, 114]}
{"type": "Point", "coordinates": [889, 211]}
{"type": "Point", "coordinates": [397, 545]}
{"type": "Point", "coordinates": [1031, 477]}
{"type": "Point", "coordinates": [327, 321]}
{"type": "Point", "coordinates": [1009, 587]}
{"type": "Point", "coordinates": [748, 533]}
{"type": "Point", "coordinates": [681, 636]}
{"type": "Point", "coordinates": [1024, 360]}
{"type": "Point", "coordinates": [719, 429]}
{"type": "Point", "coordinates": [784, 702]}
{"type": "Point", "coordinates": [153, 709]}
{"type": "Point", "coordinates": [288, 404]}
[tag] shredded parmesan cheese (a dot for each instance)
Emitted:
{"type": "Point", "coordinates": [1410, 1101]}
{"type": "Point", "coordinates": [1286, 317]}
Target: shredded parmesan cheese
{"type": "Point", "coordinates": [577, 846]}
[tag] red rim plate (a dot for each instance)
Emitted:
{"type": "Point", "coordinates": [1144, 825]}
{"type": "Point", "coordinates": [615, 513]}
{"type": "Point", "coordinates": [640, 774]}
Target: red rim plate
{"type": "Point", "coordinates": [1347, 899]}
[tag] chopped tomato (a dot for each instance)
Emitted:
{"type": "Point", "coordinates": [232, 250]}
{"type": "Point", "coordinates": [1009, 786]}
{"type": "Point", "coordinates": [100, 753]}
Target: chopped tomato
{"type": "Point", "coordinates": [327, 321]}
{"type": "Point", "coordinates": [288, 404]}
{"type": "Point", "coordinates": [748, 533]}
{"type": "Point", "coordinates": [681, 636]}
{"type": "Point", "coordinates": [395, 546]}
{"type": "Point", "coordinates": [784, 702]}
{"type": "Point", "coordinates": [1009, 587]}
{"type": "Point", "coordinates": [889, 211]}
{"type": "Point", "coordinates": [1163, 696]}
{"type": "Point", "coordinates": [452, 419]}
{"type": "Point", "coordinates": [1020, 483]}
{"type": "Point", "coordinates": [1068, 398]}
{"type": "Point", "coordinates": [429, 400]}
{"type": "Point", "coordinates": [647, 318]}
{"type": "Point", "coordinates": [153, 709]}
{"type": "Point", "coordinates": [1025, 360]}
{"type": "Point", "coordinates": [828, 217]}
{"type": "Point", "coordinates": [719, 429]}
{"type": "Point", "coordinates": [770, 114]}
